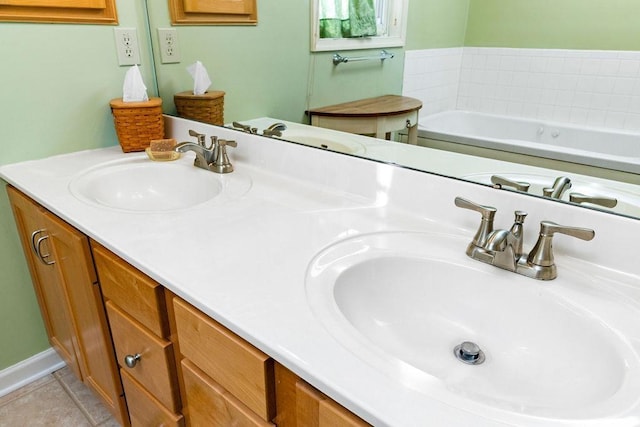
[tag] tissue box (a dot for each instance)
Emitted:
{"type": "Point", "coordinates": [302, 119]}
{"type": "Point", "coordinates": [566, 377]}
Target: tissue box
{"type": "Point", "coordinates": [137, 123]}
{"type": "Point", "coordinates": [207, 108]}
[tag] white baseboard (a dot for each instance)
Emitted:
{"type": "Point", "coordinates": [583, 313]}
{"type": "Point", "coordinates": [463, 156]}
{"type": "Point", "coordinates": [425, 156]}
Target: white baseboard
{"type": "Point", "coordinates": [29, 370]}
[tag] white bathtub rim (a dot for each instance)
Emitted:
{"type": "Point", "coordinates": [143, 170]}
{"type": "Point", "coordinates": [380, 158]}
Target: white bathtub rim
{"type": "Point", "coordinates": [598, 159]}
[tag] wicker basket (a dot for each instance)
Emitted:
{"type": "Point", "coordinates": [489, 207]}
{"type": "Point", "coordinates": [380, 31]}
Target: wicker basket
{"type": "Point", "coordinates": [137, 123]}
{"type": "Point", "coordinates": [207, 108]}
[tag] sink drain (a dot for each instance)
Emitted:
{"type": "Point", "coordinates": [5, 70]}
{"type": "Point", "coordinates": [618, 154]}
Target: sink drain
{"type": "Point", "coordinates": [469, 353]}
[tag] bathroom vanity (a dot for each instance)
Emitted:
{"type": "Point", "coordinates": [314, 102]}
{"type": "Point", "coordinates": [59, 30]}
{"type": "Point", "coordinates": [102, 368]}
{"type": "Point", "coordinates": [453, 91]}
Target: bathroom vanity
{"type": "Point", "coordinates": [245, 300]}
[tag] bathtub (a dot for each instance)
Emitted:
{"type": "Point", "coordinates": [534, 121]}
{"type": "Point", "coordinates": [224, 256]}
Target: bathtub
{"type": "Point", "coordinates": [603, 148]}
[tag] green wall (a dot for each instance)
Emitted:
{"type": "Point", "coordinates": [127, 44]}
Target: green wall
{"type": "Point", "coordinates": [555, 24]}
{"type": "Point", "coordinates": [436, 23]}
{"type": "Point", "coordinates": [56, 81]}
{"type": "Point", "coordinates": [267, 70]}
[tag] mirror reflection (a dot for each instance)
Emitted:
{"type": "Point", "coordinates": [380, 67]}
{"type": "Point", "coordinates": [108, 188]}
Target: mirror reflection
{"type": "Point", "coordinates": [517, 61]}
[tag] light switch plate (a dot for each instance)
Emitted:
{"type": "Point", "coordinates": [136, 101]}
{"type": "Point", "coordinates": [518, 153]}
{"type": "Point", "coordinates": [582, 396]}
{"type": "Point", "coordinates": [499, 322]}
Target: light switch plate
{"type": "Point", "coordinates": [127, 46]}
{"type": "Point", "coordinates": [169, 49]}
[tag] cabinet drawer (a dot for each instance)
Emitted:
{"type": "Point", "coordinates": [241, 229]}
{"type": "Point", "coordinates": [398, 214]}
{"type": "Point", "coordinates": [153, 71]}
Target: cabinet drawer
{"type": "Point", "coordinates": [141, 297]}
{"type": "Point", "coordinates": [208, 404]}
{"type": "Point", "coordinates": [144, 409]}
{"type": "Point", "coordinates": [154, 369]}
{"type": "Point", "coordinates": [240, 368]}
{"type": "Point", "coordinates": [331, 414]}
{"type": "Point", "coordinates": [314, 409]}
{"type": "Point", "coordinates": [301, 405]}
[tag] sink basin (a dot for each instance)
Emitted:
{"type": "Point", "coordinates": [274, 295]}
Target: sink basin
{"type": "Point", "coordinates": [140, 185]}
{"type": "Point", "coordinates": [344, 144]}
{"type": "Point", "coordinates": [560, 350]}
{"type": "Point", "coordinates": [628, 202]}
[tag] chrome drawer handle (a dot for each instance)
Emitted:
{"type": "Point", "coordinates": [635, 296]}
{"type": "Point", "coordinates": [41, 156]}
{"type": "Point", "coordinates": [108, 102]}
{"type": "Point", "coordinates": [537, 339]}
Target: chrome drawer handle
{"type": "Point", "coordinates": [36, 245]}
{"type": "Point", "coordinates": [131, 361]}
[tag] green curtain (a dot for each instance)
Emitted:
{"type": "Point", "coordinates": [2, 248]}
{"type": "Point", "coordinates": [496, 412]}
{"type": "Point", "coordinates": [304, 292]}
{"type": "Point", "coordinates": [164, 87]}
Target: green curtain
{"type": "Point", "coordinates": [347, 18]}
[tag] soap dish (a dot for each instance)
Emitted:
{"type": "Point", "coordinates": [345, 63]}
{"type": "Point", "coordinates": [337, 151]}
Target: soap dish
{"type": "Point", "coordinates": [162, 150]}
{"type": "Point", "coordinates": [162, 156]}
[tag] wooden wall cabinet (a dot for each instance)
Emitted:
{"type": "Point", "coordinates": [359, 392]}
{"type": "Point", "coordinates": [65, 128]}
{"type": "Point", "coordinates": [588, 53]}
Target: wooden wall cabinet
{"type": "Point", "coordinates": [57, 11]}
{"type": "Point", "coordinates": [70, 299]}
{"type": "Point", "coordinates": [207, 12]}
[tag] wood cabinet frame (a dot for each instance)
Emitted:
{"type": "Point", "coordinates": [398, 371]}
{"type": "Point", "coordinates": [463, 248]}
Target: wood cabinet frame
{"type": "Point", "coordinates": [60, 11]}
{"type": "Point", "coordinates": [217, 12]}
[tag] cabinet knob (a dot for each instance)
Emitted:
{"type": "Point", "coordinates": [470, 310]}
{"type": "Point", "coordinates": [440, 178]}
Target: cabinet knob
{"type": "Point", "coordinates": [131, 361]}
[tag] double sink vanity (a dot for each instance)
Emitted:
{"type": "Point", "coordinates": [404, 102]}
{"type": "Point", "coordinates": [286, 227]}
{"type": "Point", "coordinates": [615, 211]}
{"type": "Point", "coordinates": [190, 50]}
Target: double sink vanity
{"type": "Point", "coordinates": [312, 288]}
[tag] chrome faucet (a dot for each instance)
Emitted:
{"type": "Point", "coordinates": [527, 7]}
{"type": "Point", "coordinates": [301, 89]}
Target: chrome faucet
{"type": "Point", "coordinates": [275, 129]}
{"type": "Point", "coordinates": [504, 248]}
{"type": "Point", "coordinates": [560, 185]}
{"type": "Point", "coordinates": [212, 158]}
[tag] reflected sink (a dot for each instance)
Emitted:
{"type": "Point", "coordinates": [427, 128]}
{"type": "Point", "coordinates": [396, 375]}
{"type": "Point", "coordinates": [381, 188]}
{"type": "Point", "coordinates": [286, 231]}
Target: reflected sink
{"type": "Point", "coordinates": [403, 301]}
{"type": "Point", "coordinates": [628, 202]}
{"type": "Point", "coordinates": [316, 138]}
{"type": "Point", "coordinates": [141, 185]}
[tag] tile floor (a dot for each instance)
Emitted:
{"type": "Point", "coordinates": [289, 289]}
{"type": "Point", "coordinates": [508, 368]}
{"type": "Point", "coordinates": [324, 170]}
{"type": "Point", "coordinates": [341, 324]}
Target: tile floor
{"type": "Point", "coordinates": [58, 399]}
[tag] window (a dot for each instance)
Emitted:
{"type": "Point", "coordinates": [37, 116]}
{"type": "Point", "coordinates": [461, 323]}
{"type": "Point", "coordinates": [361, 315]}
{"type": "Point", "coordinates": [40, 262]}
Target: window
{"type": "Point", "coordinates": [391, 16]}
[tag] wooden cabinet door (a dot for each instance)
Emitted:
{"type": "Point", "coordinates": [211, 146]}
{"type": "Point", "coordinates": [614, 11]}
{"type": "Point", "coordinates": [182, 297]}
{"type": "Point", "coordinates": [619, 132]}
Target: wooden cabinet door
{"type": "Point", "coordinates": [85, 11]}
{"type": "Point", "coordinates": [69, 297]}
{"type": "Point", "coordinates": [71, 253]}
{"type": "Point", "coordinates": [192, 12]}
{"type": "Point", "coordinates": [50, 292]}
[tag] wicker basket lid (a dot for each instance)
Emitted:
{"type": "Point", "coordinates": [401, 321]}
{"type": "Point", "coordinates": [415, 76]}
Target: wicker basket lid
{"type": "Point", "coordinates": [214, 94]}
{"type": "Point", "coordinates": [119, 103]}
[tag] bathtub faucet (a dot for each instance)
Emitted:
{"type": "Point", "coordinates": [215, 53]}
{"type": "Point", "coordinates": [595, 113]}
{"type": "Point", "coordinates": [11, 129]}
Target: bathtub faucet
{"type": "Point", "coordinates": [503, 248]}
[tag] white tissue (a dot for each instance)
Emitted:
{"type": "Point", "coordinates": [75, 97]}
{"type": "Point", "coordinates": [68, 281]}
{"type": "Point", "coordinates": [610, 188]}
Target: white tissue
{"type": "Point", "coordinates": [201, 81]}
{"type": "Point", "coordinates": [134, 89]}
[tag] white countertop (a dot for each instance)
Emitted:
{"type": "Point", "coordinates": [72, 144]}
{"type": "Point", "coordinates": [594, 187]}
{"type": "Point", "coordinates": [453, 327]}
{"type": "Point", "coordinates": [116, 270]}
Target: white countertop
{"type": "Point", "coordinates": [244, 262]}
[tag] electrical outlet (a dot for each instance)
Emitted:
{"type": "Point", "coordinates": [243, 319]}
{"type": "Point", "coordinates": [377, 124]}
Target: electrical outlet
{"type": "Point", "coordinates": [169, 50]}
{"type": "Point", "coordinates": [127, 46]}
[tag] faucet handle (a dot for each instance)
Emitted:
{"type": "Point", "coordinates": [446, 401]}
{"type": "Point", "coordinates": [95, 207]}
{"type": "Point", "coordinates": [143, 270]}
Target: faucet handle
{"type": "Point", "coordinates": [221, 163]}
{"type": "Point", "coordinates": [607, 202]}
{"type": "Point", "coordinates": [486, 224]}
{"type": "Point", "coordinates": [226, 142]}
{"type": "Point", "coordinates": [200, 136]}
{"type": "Point", "coordinates": [506, 182]}
{"type": "Point", "coordinates": [542, 253]}
{"type": "Point", "coordinates": [245, 128]}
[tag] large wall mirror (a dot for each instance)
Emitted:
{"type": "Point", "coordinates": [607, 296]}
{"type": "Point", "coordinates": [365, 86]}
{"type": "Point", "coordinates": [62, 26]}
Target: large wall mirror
{"type": "Point", "coordinates": [269, 70]}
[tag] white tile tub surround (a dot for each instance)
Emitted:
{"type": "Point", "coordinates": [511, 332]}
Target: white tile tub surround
{"type": "Point", "coordinates": [433, 76]}
{"type": "Point", "coordinates": [598, 88]}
